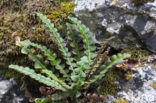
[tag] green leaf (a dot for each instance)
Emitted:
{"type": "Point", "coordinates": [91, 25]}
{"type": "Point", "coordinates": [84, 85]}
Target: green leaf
{"type": "Point", "coordinates": [37, 65]}
{"type": "Point", "coordinates": [116, 59]}
{"type": "Point", "coordinates": [75, 41]}
{"type": "Point", "coordinates": [83, 74]}
{"type": "Point", "coordinates": [75, 77]}
{"type": "Point", "coordinates": [21, 44]}
{"type": "Point", "coordinates": [24, 51]}
{"type": "Point", "coordinates": [51, 57]}
{"type": "Point", "coordinates": [86, 38]}
{"type": "Point", "coordinates": [44, 100]}
{"type": "Point", "coordinates": [77, 70]}
{"type": "Point", "coordinates": [45, 80]}
{"type": "Point", "coordinates": [58, 39]}
{"type": "Point", "coordinates": [78, 94]}
{"type": "Point", "coordinates": [83, 60]}
{"type": "Point", "coordinates": [38, 100]}
{"type": "Point", "coordinates": [61, 96]}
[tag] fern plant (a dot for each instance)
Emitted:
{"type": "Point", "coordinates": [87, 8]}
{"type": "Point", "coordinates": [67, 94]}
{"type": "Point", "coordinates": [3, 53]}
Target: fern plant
{"type": "Point", "coordinates": [82, 67]}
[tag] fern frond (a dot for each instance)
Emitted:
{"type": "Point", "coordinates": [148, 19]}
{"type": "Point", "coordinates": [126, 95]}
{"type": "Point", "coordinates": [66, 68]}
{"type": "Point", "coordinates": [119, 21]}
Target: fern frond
{"type": "Point", "coordinates": [42, 79]}
{"type": "Point", "coordinates": [51, 57]}
{"type": "Point", "coordinates": [75, 42]}
{"type": "Point", "coordinates": [97, 64]}
{"type": "Point", "coordinates": [40, 65]}
{"type": "Point", "coordinates": [60, 96]}
{"type": "Point", "coordinates": [59, 41]}
{"type": "Point", "coordinates": [84, 69]}
{"type": "Point", "coordinates": [99, 59]}
{"type": "Point", "coordinates": [87, 39]}
{"type": "Point", "coordinates": [54, 98]}
{"type": "Point", "coordinates": [78, 79]}
{"type": "Point", "coordinates": [116, 59]}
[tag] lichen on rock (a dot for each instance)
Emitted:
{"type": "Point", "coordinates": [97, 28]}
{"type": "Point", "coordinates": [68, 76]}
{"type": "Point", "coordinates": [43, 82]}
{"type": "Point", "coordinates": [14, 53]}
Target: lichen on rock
{"type": "Point", "coordinates": [132, 24]}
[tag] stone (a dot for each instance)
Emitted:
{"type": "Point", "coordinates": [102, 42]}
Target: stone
{"type": "Point", "coordinates": [141, 87]}
{"type": "Point", "coordinates": [132, 24]}
{"type": "Point", "coordinates": [10, 92]}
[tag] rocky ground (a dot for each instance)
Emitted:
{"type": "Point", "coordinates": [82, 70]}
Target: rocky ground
{"type": "Point", "coordinates": [139, 88]}
{"type": "Point", "coordinates": [10, 92]}
{"type": "Point", "coordinates": [133, 25]}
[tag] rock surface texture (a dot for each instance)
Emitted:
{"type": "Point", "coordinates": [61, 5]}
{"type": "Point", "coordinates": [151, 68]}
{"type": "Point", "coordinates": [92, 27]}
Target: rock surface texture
{"type": "Point", "coordinates": [10, 92]}
{"type": "Point", "coordinates": [133, 25]}
{"type": "Point", "coordinates": [141, 88]}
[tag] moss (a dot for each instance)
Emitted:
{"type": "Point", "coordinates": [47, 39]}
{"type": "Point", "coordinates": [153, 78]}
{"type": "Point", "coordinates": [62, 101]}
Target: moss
{"type": "Point", "coordinates": [59, 17]}
{"type": "Point", "coordinates": [153, 85]}
{"type": "Point", "coordinates": [1, 35]}
{"type": "Point", "coordinates": [10, 73]}
{"type": "Point", "coordinates": [121, 100]}
{"type": "Point", "coordinates": [13, 5]}
{"type": "Point", "coordinates": [128, 75]}
{"type": "Point", "coordinates": [109, 85]}
{"type": "Point", "coordinates": [20, 16]}
{"type": "Point", "coordinates": [136, 53]}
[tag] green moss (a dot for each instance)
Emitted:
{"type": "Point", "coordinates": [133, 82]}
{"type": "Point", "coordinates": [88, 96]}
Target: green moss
{"type": "Point", "coordinates": [13, 58]}
{"type": "Point", "coordinates": [20, 16]}
{"type": "Point", "coordinates": [13, 5]}
{"type": "Point", "coordinates": [11, 74]}
{"type": "Point", "coordinates": [109, 85]}
{"type": "Point", "coordinates": [128, 75]}
{"type": "Point", "coordinates": [59, 17]}
{"type": "Point", "coordinates": [136, 53]}
{"type": "Point", "coordinates": [1, 35]}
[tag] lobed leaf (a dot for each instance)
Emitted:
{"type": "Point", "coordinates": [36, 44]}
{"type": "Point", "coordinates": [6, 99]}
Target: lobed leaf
{"type": "Point", "coordinates": [75, 42]}
{"type": "Point", "coordinates": [58, 40]}
{"type": "Point", "coordinates": [116, 59]}
{"type": "Point", "coordinates": [30, 72]}
{"type": "Point", "coordinates": [87, 38]}
{"type": "Point", "coordinates": [51, 57]}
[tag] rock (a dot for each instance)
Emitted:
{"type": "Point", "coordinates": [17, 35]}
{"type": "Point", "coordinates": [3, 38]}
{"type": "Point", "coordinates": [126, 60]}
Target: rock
{"type": "Point", "coordinates": [133, 25]}
{"type": "Point", "coordinates": [10, 93]}
{"type": "Point", "coordinates": [141, 88]}
{"type": "Point", "coordinates": [151, 43]}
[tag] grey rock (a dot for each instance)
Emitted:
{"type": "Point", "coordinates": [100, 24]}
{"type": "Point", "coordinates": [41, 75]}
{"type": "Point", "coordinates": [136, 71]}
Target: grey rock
{"type": "Point", "coordinates": [151, 43]}
{"type": "Point", "coordinates": [10, 93]}
{"type": "Point", "coordinates": [133, 25]}
{"type": "Point", "coordinates": [138, 89]}
{"type": "Point", "coordinates": [4, 86]}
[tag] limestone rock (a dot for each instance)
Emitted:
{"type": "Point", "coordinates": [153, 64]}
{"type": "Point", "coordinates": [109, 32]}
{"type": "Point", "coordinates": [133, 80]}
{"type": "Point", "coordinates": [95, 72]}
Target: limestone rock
{"type": "Point", "coordinates": [133, 25]}
{"type": "Point", "coordinates": [10, 92]}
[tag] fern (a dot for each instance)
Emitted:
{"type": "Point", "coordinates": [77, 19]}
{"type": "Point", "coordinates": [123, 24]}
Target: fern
{"type": "Point", "coordinates": [97, 64]}
{"type": "Point", "coordinates": [116, 59]}
{"type": "Point", "coordinates": [87, 38]}
{"type": "Point", "coordinates": [51, 57]}
{"type": "Point", "coordinates": [75, 42]}
{"type": "Point", "coordinates": [45, 80]}
{"type": "Point", "coordinates": [85, 67]}
{"type": "Point", "coordinates": [59, 40]}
